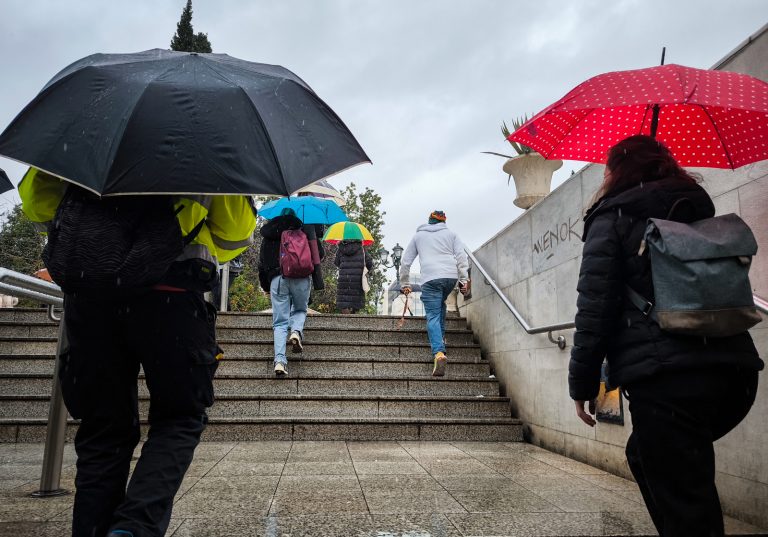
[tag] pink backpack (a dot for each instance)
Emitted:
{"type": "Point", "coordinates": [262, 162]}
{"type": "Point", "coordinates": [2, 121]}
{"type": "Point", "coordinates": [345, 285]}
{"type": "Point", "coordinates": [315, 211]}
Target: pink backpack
{"type": "Point", "coordinates": [295, 255]}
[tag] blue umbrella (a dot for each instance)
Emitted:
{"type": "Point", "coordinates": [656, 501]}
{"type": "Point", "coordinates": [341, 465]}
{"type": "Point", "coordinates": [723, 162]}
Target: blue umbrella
{"type": "Point", "coordinates": [308, 209]}
{"type": "Point", "coordinates": [5, 183]}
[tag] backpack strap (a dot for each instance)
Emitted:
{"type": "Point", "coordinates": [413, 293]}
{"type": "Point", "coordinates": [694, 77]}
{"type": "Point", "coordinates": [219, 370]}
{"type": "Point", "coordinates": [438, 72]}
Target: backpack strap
{"type": "Point", "coordinates": [640, 302]}
{"type": "Point", "coordinates": [187, 239]}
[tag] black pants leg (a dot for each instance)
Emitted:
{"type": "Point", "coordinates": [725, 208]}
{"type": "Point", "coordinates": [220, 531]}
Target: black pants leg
{"type": "Point", "coordinates": [676, 417]}
{"type": "Point", "coordinates": [99, 385]}
{"type": "Point", "coordinates": [177, 352]}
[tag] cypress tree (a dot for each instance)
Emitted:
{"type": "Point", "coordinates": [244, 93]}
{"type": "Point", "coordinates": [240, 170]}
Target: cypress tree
{"type": "Point", "coordinates": [185, 39]}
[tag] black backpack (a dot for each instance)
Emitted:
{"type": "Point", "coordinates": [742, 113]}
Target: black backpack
{"type": "Point", "coordinates": [700, 275]}
{"type": "Point", "coordinates": [114, 246]}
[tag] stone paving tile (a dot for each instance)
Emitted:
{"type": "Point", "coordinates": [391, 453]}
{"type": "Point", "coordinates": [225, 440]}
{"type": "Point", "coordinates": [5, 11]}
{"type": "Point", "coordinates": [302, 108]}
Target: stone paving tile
{"type": "Point", "coordinates": [267, 445]}
{"type": "Point", "coordinates": [35, 529]}
{"type": "Point", "coordinates": [561, 483]}
{"type": "Point", "coordinates": [194, 505]}
{"type": "Point", "coordinates": [371, 483]}
{"type": "Point", "coordinates": [457, 467]}
{"type": "Point", "coordinates": [213, 451]}
{"type": "Point", "coordinates": [239, 468]}
{"type": "Point", "coordinates": [587, 501]}
{"type": "Point", "coordinates": [490, 501]}
{"type": "Point", "coordinates": [337, 525]}
{"type": "Point", "coordinates": [478, 482]}
{"type": "Point", "coordinates": [527, 466]}
{"type": "Point", "coordinates": [256, 457]}
{"type": "Point", "coordinates": [611, 482]}
{"type": "Point", "coordinates": [221, 488]}
{"type": "Point", "coordinates": [412, 501]}
{"type": "Point", "coordinates": [389, 468]}
{"type": "Point", "coordinates": [320, 456]}
{"type": "Point", "coordinates": [426, 525]}
{"type": "Point", "coordinates": [319, 468]}
{"type": "Point", "coordinates": [304, 503]}
{"type": "Point", "coordinates": [529, 524]}
{"type": "Point", "coordinates": [20, 471]}
{"type": "Point", "coordinates": [317, 483]}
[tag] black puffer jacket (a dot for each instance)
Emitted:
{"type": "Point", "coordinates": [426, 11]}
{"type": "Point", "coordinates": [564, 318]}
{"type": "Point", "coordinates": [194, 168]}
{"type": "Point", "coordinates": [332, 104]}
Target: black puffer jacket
{"type": "Point", "coordinates": [269, 255]}
{"type": "Point", "coordinates": [607, 324]}
{"type": "Point", "coordinates": [349, 259]}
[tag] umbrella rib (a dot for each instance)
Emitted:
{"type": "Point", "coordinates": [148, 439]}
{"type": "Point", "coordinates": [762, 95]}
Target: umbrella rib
{"type": "Point", "coordinates": [562, 140]}
{"type": "Point", "coordinates": [719, 136]}
{"type": "Point", "coordinates": [261, 122]}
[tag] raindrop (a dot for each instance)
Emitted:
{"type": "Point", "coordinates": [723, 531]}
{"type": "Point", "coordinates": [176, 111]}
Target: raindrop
{"type": "Point", "coordinates": [65, 147]}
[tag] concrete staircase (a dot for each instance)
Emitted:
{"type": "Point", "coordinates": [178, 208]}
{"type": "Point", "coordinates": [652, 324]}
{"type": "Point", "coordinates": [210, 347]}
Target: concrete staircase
{"type": "Point", "coordinates": [359, 378]}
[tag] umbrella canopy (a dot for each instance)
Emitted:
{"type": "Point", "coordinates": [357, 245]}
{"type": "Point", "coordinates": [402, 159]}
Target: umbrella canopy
{"type": "Point", "coordinates": [308, 209]}
{"type": "Point", "coordinates": [162, 122]}
{"type": "Point", "coordinates": [5, 183]}
{"type": "Point", "coordinates": [715, 119]}
{"type": "Point", "coordinates": [322, 189]}
{"type": "Point", "coordinates": [348, 231]}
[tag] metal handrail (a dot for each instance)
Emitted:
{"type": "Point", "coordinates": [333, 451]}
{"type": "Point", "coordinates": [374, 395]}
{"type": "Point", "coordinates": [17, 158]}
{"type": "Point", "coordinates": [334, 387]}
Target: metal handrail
{"type": "Point", "coordinates": [561, 342]}
{"type": "Point", "coordinates": [760, 303]}
{"type": "Point", "coordinates": [21, 285]}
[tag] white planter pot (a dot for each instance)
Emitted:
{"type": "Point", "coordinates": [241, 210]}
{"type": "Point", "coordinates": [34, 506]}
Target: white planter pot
{"type": "Point", "coordinates": [533, 177]}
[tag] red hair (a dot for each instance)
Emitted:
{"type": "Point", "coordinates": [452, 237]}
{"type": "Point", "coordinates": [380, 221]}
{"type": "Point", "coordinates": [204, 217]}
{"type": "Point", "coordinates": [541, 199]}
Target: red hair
{"type": "Point", "coordinates": [639, 159]}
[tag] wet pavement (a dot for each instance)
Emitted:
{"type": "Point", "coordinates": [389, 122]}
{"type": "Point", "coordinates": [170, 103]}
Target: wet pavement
{"type": "Point", "coordinates": [376, 489]}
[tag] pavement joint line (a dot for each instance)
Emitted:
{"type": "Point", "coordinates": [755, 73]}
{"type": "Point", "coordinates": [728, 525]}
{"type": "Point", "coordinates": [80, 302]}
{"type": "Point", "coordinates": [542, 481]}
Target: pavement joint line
{"type": "Point", "coordinates": [282, 471]}
{"type": "Point", "coordinates": [357, 476]}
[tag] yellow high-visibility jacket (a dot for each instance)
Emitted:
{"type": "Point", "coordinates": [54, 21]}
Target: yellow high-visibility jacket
{"type": "Point", "coordinates": [230, 220]}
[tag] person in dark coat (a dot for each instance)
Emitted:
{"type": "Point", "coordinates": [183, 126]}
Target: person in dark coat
{"type": "Point", "coordinates": [684, 392]}
{"type": "Point", "coordinates": [351, 257]}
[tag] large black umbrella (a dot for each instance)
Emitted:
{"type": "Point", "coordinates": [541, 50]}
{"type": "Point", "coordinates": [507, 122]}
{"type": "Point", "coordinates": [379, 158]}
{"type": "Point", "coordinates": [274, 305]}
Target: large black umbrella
{"type": "Point", "coordinates": [176, 122]}
{"type": "Point", "coordinates": [5, 183]}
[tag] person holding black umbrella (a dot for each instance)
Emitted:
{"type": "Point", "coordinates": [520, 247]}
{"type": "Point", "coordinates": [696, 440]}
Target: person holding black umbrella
{"type": "Point", "coordinates": [165, 162]}
{"type": "Point", "coordinates": [165, 326]}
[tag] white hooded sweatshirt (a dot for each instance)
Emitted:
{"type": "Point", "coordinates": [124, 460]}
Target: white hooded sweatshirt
{"type": "Point", "coordinates": [441, 254]}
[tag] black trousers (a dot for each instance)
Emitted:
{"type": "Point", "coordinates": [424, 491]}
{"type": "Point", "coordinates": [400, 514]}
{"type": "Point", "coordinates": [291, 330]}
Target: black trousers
{"type": "Point", "coordinates": [675, 418]}
{"type": "Point", "coordinates": [172, 336]}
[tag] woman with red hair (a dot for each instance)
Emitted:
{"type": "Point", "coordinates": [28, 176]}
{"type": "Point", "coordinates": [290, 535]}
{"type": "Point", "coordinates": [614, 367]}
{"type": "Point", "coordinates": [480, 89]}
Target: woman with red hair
{"type": "Point", "coordinates": [684, 392]}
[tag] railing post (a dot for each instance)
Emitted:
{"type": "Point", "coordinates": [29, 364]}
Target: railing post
{"type": "Point", "coordinates": [224, 302]}
{"type": "Point", "coordinates": [57, 429]}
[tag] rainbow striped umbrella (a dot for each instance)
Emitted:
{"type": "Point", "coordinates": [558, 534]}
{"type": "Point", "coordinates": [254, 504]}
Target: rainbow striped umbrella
{"type": "Point", "coordinates": [348, 231]}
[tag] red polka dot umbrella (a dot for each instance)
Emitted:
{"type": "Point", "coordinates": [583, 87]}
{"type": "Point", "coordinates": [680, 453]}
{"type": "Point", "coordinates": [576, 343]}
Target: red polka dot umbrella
{"type": "Point", "coordinates": [714, 119]}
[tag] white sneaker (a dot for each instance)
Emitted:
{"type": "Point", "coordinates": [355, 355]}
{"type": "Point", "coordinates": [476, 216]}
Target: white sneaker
{"type": "Point", "coordinates": [295, 341]}
{"type": "Point", "coordinates": [280, 369]}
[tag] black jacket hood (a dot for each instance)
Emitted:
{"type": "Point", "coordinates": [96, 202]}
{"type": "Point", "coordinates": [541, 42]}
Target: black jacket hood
{"type": "Point", "coordinates": [654, 200]}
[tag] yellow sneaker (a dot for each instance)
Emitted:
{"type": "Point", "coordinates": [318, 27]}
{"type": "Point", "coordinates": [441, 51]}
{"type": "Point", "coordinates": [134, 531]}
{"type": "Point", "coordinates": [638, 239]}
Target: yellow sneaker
{"type": "Point", "coordinates": [440, 362]}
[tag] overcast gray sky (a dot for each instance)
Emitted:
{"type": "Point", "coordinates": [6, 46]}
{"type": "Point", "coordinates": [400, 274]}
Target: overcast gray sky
{"type": "Point", "coordinates": [423, 84]}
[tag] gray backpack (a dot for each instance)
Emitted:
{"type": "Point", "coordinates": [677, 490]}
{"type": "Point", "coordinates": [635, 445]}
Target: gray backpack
{"type": "Point", "coordinates": [700, 276]}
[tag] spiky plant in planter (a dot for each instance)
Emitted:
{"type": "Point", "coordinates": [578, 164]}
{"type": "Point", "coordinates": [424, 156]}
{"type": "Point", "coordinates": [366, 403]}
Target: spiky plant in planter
{"type": "Point", "coordinates": [531, 172]}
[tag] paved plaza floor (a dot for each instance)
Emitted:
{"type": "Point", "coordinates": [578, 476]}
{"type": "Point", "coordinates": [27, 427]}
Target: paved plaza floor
{"type": "Point", "coordinates": [376, 489]}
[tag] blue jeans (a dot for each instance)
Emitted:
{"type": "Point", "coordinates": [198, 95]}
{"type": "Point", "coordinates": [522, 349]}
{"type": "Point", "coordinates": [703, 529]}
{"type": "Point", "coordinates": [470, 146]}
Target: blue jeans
{"type": "Point", "coordinates": [433, 296]}
{"type": "Point", "coordinates": [289, 310]}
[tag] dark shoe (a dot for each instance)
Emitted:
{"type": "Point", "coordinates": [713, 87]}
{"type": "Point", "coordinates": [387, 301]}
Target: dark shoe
{"type": "Point", "coordinates": [438, 370]}
{"type": "Point", "coordinates": [295, 341]}
{"type": "Point", "coordinates": [119, 533]}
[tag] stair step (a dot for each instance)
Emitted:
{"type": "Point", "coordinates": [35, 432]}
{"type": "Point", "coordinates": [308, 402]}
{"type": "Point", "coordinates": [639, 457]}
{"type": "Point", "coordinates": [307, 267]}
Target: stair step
{"type": "Point", "coordinates": [326, 335]}
{"type": "Point", "coordinates": [25, 384]}
{"type": "Point", "coordinates": [262, 320]}
{"type": "Point", "coordinates": [309, 406]}
{"type": "Point", "coordinates": [297, 367]}
{"type": "Point", "coordinates": [230, 430]}
{"type": "Point", "coordinates": [262, 349]}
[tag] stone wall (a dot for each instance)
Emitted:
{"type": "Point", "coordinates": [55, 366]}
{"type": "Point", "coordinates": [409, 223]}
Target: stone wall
{"type": "Point", "coordinates": [535, 261]}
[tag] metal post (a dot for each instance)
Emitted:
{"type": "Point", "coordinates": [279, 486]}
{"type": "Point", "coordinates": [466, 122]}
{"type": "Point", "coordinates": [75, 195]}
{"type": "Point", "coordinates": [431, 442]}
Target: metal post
{"type": "Point", "coordinates": [224, 302]}
{"type": "Point", "coordinates": [56, 433]}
